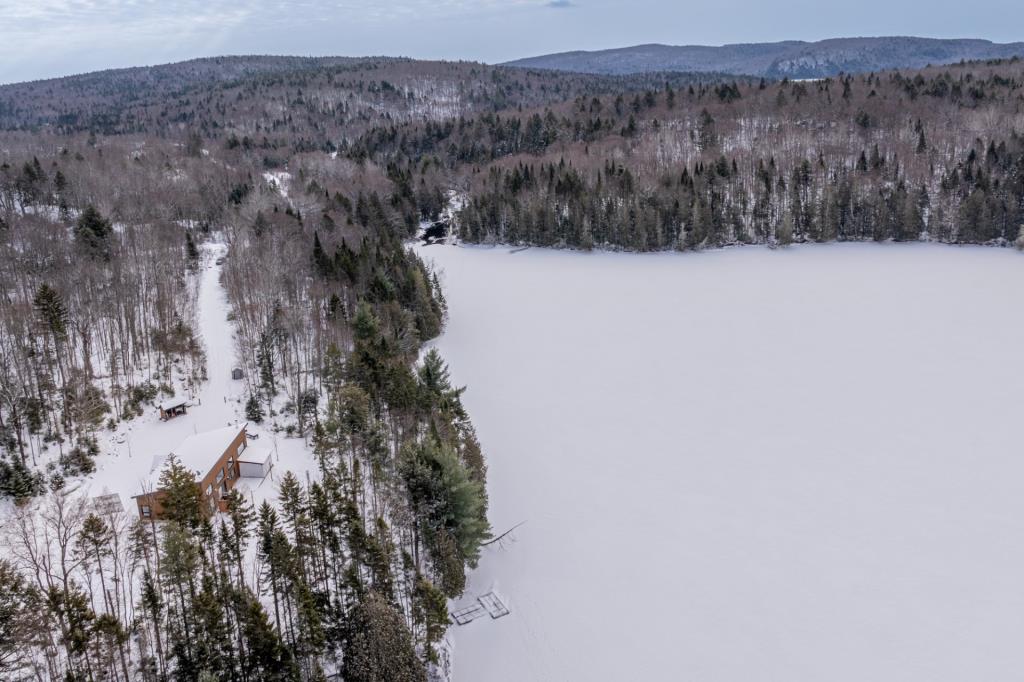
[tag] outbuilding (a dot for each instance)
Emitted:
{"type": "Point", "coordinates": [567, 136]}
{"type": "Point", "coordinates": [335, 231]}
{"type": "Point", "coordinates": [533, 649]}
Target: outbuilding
{"type": "Point", "coordinates": [256, 462]}
{"type": "Point", "coordinates": [173, 407]}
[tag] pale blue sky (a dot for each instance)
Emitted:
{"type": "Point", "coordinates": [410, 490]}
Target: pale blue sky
{"type": "Point", "coordinates": [43, 38]}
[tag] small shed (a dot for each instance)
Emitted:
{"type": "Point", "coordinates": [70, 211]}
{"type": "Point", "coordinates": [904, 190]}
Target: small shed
{"type": "Point", "coordinates": [237, 373]}
{"type": "Point", "coordinates": [255, 463]}
{"type": "Point", "coordinates": [173, 407]}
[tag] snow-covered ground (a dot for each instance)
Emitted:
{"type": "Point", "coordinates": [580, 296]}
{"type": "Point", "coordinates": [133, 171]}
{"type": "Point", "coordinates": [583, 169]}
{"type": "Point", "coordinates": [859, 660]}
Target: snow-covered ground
{"type": "Point", "coordinates": [128, 454]}
{"type": "Point", "coordinates": [804, 464]}
{"type": "Point", "coordinates": [279, 180]}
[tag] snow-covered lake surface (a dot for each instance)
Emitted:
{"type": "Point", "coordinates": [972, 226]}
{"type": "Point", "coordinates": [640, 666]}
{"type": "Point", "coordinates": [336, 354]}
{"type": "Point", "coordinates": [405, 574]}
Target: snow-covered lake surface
{"type": "Point", "coordinates": [746, 464]}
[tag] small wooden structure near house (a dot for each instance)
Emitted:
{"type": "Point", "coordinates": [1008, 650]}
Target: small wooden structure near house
{"type": "Point", "coordinates": [486, 605]}
{"type": "Point", "coordinates": [173, 407]}
{"type": "Point", "coordinates": [257, 463]}
{"type": "Point", "coordinates": [217, 459]}
{"type": "Point", "coordinates": [237, 373]}
{"type": "Point", "coordinates": [107, 505]}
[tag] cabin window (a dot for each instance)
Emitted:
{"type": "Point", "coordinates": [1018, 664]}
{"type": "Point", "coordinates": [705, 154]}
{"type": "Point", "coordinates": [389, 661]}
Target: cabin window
{"type": "Point", "coordinates": [209, 489]}
{"type": "Point", "coordinates": [220, 475]}
{"type": "Point", "coordinates": [146, 511]}
{"type": "Point", "coordinates": [223, 489]}
{"type": "Point", "coordinates": [231, 468]}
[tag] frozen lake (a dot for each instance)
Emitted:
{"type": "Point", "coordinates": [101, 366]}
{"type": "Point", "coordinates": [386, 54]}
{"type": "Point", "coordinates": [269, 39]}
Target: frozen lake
{"type": "Point", "coordinates": [746, 464]}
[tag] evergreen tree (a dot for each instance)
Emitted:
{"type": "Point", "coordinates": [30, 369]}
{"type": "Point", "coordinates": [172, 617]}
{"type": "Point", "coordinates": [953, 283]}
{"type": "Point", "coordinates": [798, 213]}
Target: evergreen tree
{"type": "Point", "coordinates": [266, 366]}
{"type": "Point", "coordinates": [215, 652]}
{"type": "Point", "coordinates": [153, 606]}
{"type": "Point", "coordinates": [181, 497]}
{"type": "Point", "coordinates": [51, 310]}
{"type": "Point", "coordinates": [707, 137]}
{"type": "Point", "coordinates": [272, 550]}
{"type": "Point", "coordinates": [445, 498]}
{"type": "Point", "coordinates": [241, 517]}
{"type": "Point", "coordinates": [378, 645]}
{"type": "Point", "coordinates": [191, 252]}
{"type": "Point", "coordinates": [92, 233]}
{"type": "Point", "coordinates": [267, 658]}
{"type": "Point", "coordinates": [430, 611]}
{"type": "Point", "coordinates": [21, 625]}
{"type": "Point", "coordinates": [784, 233]}
{"type": "Point", "coordinates": [94, 546]}
{"type": "Point", "coordinates": [321, 263]}
{"type": "Point", "coordinates": [19, 482]}
{"type": "Point", "coordinates": [254, 410]}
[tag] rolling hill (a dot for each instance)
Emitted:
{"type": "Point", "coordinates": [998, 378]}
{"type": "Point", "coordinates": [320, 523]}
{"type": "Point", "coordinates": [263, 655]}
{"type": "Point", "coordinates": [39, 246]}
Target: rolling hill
{"type": "Point", "coordinates": [792, 58]}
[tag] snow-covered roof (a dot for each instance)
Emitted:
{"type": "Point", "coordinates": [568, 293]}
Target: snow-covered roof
{"type": "Point", "coordinates": [172, 402]}
{"type": "Point", "coordinates": [198, 453]}
{"type": "Point", "coordinates": [255, 454]}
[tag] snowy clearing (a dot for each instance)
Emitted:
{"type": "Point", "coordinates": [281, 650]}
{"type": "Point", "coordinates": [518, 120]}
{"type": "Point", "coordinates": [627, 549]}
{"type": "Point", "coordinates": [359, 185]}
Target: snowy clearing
{"type": "Point", "coordinates": [126, 465]}
{"type": "Point", "coordinates": [745, 464]}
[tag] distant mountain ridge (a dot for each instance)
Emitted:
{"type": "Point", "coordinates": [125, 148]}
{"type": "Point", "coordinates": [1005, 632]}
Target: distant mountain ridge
{"type": "Point", "coordinates": [791, 58]}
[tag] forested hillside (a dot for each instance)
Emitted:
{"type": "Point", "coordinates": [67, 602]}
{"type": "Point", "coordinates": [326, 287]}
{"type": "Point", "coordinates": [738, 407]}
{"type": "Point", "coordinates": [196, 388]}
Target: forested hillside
{"type": "Point", "coordinates": [103, 234]}
{"type": "Point", "coordinates": [304, 104]}
{"type": "Point", "coordinates": [932, 155]}
{"type": "Point", "coordinates": [789, 58]}
{"type": "Point", "coordinates": [313, 175]}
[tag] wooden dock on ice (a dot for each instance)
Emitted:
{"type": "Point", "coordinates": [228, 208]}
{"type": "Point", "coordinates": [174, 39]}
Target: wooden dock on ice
{"type": "Point", "coordinates": [486, 604]}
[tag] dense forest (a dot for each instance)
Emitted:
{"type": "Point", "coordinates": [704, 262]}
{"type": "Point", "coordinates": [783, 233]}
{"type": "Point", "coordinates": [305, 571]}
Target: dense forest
{"type": "Point", "coordinates": [101, 241]}
{"type": "Point", "coordinates": [315, 174]}
{"type": "Point", "coordinates": [935, 154]}
{"type": "Point", "coordinates": [349, 571]}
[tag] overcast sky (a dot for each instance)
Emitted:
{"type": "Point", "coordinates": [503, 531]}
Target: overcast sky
{"type": "Point", "coordinates": [45, 38]}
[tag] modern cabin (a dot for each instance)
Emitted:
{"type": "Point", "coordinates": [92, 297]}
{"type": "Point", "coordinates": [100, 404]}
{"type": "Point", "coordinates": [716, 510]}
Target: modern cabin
{"type": "Point", "coordinates": [217, 459]}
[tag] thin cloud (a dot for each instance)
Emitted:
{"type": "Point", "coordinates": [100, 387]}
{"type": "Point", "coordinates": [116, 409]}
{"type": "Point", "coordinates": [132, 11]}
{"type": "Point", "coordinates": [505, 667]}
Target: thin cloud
{"type": "Point", "coordinates": [560, 4]}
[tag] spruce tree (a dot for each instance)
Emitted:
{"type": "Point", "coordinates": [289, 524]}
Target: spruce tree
{"type": "Point", "coordinates": [444, 496]}
{"type": "Point", "coordinates": [191, 252]}
{"type": "Point", "coordinates": [241, 517]}
{"type": "Point", "coordinates": [92, 233]}
{"type": "Point", "coordinates": [51, 310]}
{"type": "Point", "coordinates": [254, 410]}
{"type": "Point", "coordinates": [430, 612]}
{"type": "Point", "coordinates": [153, 606]}
{"type": "Point", "coordinates": [21, 624]}
{"type": "Point", "coordinates": [181, 499]}
{"type": "Point", "coordinates": [214, 646]}
{"type": "Point", "coordinates": [378, 645]}
{"type": "Point", "coordinates": [267, 658]}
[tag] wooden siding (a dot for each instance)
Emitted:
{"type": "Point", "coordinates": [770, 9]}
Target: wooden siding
{"type": "Point", "coordinates": [212, 501]}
